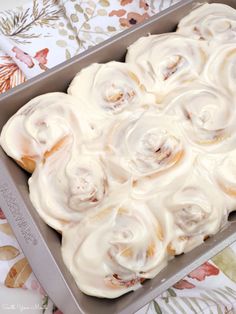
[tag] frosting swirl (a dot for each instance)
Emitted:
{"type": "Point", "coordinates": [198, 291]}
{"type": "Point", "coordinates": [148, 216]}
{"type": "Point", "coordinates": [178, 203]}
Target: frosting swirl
{"type": "Point", "coordinates": [212, 22]}
{"type": "Point", "coordinates": [197, 208]}
{"type": "Point", "coordinates": [112, 89]}
{"type": "Point", "coordinates": [145, 147]}
{"type": "Point", "coordinates": [131, 248]}
{"type": "Point", "coordinates": [207, 117]}
{"type": "Point", "coordinates": [74, 186]}
{"type": "Point", "coordinates": [171, 59]}
{"type": "Point", "coordinates": [41, 127]}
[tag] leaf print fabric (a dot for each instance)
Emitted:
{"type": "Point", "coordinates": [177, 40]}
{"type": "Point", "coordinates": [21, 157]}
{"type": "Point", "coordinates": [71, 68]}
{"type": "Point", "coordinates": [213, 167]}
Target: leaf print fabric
{"type": "Point", "coordinates": [35, 37]}
{"type": "Point", "coordinates": [95, 21]}
{"type": "Point", "coordinates": [39, 36]}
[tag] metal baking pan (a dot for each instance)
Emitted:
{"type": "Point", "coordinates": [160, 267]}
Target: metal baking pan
{"type": "Point", "coordinates": [39, 242]}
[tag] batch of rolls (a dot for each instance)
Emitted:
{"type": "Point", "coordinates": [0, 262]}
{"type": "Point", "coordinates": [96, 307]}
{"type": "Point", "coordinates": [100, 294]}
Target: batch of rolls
{"type": "Point", "coordinates": [137, 163]}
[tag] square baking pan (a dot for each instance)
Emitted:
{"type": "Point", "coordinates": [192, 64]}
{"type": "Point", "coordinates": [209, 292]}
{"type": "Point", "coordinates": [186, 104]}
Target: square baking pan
{"type": "Point", "coordinates": [40, 243]}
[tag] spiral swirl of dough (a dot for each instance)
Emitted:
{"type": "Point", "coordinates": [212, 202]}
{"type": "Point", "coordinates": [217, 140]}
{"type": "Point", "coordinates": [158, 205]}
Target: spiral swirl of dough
{"type": "Point", "coordinates": [41, 127]}
{"type": "Point", "coordinates": [172, 60]}
{"type": "Point", "coordinates": [113, 251]}
{"type": "Point", "coordinates": [212, 22]}
{"type": "Point", "coordinates": [74, 186]}
{"type": "Point", "coordinates": [207, 117]}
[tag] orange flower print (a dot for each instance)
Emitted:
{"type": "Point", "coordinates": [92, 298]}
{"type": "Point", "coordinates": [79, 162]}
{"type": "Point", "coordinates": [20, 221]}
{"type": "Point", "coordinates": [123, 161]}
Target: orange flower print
{"type": "Point", "coordinates": [143, 5]}
{"type": "Point", "coordinates": [41, 56]}
{"type": "Point", "coordinates": [118, 13]}
{"type": "Point", "coordinates": [10, 76]}
{"type": "Point", "coordinates": [204, 271]}
{"type": "Point", "coordinates": [132, 19]}
{"type": "Point", "coordinates": [183, 284]}
{"type": "Point", "coordinates": [125, 2]}
{"type": "Point", "coordinates": [23, 57]}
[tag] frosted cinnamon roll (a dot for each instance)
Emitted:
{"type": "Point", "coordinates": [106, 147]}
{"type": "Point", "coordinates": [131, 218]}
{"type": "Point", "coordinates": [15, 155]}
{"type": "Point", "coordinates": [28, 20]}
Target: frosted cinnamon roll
{"type": "Point", "coordinates": [172, 60]}
{"type": "Point", "coordinates": [197, 209]}
{"type": "Point", "coordinates": [220, 68]}
{"type": "Point", "coordinates": [207, 117]}
{"type": "Point", "coordinates": [41, 127]}
{"type": "Point", "coordinates": [113, 251]}
{"type": "Point", "coordinates": [75, 183]}
{"type": "Point", "coordinates": [213, 22]}
{"type": "Point", "coordinates": [144, 147]}
{"type": "Point", "coordinates": [111, 89]}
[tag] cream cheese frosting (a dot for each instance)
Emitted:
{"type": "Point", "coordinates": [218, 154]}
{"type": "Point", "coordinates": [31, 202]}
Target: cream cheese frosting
{"type": "Point", "coordinates": [43, 125]}
{"type": "Point", "coordinates": [74, 186]}
{"type": "Point", "coordinates": [112, 90]}
{"type": "Point", "coordinates": [197, 207]}
{"type": "Point", "coordinates": [136, 164]}
{"type": "Point", "coordinates": [172, 60]}
{"type": "Point", "coordinates": [114, 250]}
{"type": "Point", "coordinates": [215, 23]}
{"type": "Point", "coordinates": [207, 117]}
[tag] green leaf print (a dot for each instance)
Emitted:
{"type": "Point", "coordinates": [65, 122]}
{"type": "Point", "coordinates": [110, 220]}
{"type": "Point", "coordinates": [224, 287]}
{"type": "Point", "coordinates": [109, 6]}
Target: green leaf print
{"type": "Point", "coordinates": [45, 304]}
{"type": "Point", "coordinates": [157, 307]}
{"type": "Point", "coordinates": [171, 292]}
{"type": "Point", "coordinates": [226, 261]}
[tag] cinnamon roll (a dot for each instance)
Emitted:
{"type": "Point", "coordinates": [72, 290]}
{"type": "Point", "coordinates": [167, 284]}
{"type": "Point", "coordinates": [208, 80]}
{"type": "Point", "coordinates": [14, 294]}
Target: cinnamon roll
{"type": "Point", "coordinates": [113, 251]}
{"type": "Point", "coordinates": [172, 60]}
{"type": "Point", "coordinates": [42, 127]}
{"type": "Point", "coordinates": [207, 117]}
{"type": "Point", "coordinates": [110, 89]}
{"type": "Point", "coordinates": [76, 183]}
{"type": "Point", "coordinates": [144, 147]}
{"type": "Point", "coordinates": [197, 209]}
{"type": "Point", "coordinates": [212, 22]}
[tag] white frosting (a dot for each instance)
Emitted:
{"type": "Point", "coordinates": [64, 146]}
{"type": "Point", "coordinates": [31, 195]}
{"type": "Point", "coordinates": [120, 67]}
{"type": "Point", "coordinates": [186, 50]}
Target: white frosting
{"type": "Point", "coordinates": [146, 149]}
{"type": "Point", "coordinates": [138, 163]}
{"type": "Point", "coordinates": [220, 69]}
{"type": "Point", "coordinates": [43, 123]}
{"type": "Point", "coordinates": [111, 90]}
{"type": "Point", "coordinates": [171, 60]}
{"type": "Point", "coordinates": [196, 206]}
{"type": "Point", "coordinates": [111, 252]}
{"type": "Point", "coordinates": [74, 186]}
{"type": "Point", "coordinates": [207, 117]}
{"type": "Point", "coordinates": [215, 23]}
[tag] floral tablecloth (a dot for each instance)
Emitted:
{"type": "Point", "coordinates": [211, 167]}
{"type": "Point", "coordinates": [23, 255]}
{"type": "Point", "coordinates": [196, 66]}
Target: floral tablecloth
{"type": "Point", "coordinates": [39, 36]}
